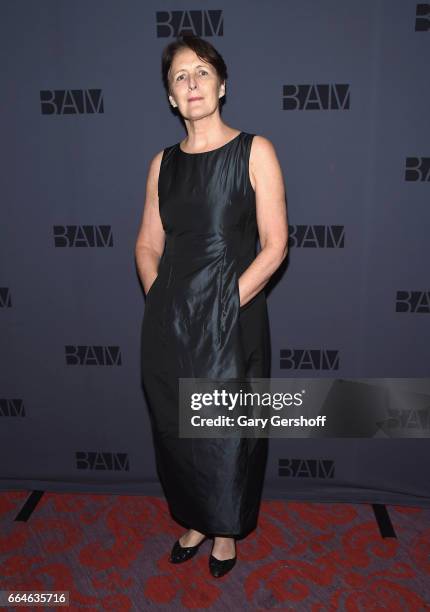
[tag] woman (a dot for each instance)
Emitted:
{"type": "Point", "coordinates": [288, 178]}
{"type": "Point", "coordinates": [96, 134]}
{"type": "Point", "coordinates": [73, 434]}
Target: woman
{"type": "Point", "coordinates": [206, 313]}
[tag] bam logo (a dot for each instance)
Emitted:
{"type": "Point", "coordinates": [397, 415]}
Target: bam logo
{"type": "Point", "coordinates": [200, 23]}
{"type": "Point", "coordinates": [117, 462]}
{"type": "Point", "coordinates": [71, 101]}
{"type": "Point", "coordinates": [411, 418]}
{"type": "Point", "coordinates": [313, 359]}
{"type": "Point", "coordinates": [417, 169]}
{"type": "Point", "coordinates": [316, 97]}
{"type": "Point", "coordinates": [422, 21]}
{"type": "Point", "coordinates": [93, 355]}
{"type": "Point", "coordinates": [317, 236]}
{"type": "Point", "coordinates": [5, 298]}
{"type": "Point", "coordinates": [83, 236]}
{"type": "Point", "coordinates": [306, 468]}
{"type": "Point", "coordinates": [413, 301]}
{"type": "Point", "coordinates": [12, 408]}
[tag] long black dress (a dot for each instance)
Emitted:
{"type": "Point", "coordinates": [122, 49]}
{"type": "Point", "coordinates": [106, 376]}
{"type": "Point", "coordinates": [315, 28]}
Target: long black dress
{"type": "Point", "coordinates": [193, 326]}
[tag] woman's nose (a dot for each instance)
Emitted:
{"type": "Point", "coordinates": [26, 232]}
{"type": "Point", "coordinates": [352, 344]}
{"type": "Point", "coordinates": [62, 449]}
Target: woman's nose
{"type": "Point", "coordinates": [191, 82]}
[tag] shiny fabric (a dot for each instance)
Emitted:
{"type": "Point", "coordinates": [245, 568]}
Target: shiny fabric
{"type": "Point", "coordinates": [193, 327]}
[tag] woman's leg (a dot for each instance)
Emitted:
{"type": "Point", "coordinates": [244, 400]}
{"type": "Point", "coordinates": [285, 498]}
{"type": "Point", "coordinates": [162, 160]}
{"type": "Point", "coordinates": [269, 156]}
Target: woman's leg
{"type": "Point", "coordinates": [191, 538]}
{"type": "Point", "coordinates": [224, 548]}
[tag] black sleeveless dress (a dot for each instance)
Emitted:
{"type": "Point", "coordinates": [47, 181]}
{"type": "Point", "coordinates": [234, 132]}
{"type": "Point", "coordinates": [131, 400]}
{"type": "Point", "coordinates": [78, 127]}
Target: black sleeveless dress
{"type": "Point", "coordinates": [193, 326]}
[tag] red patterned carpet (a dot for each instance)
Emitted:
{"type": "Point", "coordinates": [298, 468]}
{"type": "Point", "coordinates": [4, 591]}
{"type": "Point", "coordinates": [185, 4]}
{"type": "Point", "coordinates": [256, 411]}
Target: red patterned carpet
{"type": "Point", "coordinates": [111, 553]}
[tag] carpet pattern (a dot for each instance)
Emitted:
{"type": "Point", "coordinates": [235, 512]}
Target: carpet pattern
{"type": "Point", "coordinates": [111, 553]}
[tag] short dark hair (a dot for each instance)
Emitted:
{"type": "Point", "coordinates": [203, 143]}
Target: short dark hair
{"type": "Point", "coordinates": [203, 49]}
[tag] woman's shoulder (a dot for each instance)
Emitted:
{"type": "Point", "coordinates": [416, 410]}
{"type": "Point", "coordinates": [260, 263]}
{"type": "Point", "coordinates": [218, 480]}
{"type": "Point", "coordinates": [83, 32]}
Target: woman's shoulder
{"type": "Point", "coordinates": [155, 162]}
{"type": "Point", "coordinates": [260, 142]}
{"type": "Point", "coordinates": [262, 155]}
{"type": "Point", "coordinates": [158, 158]}
{"type": "Point", "coordinates": [261, 147]}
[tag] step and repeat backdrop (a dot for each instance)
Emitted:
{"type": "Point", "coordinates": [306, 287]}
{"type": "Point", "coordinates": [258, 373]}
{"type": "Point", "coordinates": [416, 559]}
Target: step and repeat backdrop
{"type": "Point", "coordinates": [342, 91]}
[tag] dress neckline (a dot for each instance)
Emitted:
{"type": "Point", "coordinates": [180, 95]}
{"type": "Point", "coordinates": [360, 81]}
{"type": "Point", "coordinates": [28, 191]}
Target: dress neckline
{"type": "Point", "coordinates": [211, 150]}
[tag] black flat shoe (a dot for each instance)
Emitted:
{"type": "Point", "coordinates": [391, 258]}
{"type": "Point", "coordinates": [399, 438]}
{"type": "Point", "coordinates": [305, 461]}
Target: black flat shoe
{"type": "Point", "coordinates": [179, 553]}
{"type": "Point", "coordinates": [218, 568]}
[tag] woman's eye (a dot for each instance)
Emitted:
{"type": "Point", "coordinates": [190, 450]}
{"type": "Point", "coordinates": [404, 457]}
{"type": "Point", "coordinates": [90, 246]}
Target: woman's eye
{"type": "Point", "coordinates": [204, 72]}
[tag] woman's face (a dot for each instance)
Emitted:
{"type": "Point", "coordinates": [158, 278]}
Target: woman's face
{"type": "Point", "coordinates": [190, 77]}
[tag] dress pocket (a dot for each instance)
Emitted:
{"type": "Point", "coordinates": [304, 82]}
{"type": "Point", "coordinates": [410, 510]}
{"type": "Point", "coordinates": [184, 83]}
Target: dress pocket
{"type": "Point", "coordinates": [249, 303]}
{"type": "Point", "coordinates": [152, 286]}
{"type": "Point", "coordinates": [221, 298]}
{"type": "Point", "coordinates": [236, 287]}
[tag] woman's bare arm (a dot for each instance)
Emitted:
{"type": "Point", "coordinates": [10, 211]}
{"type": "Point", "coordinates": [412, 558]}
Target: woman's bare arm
{"type": "Point", "coordinates": [151, 237]}
{"type": "Point", "coordinates": [271, 210]}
